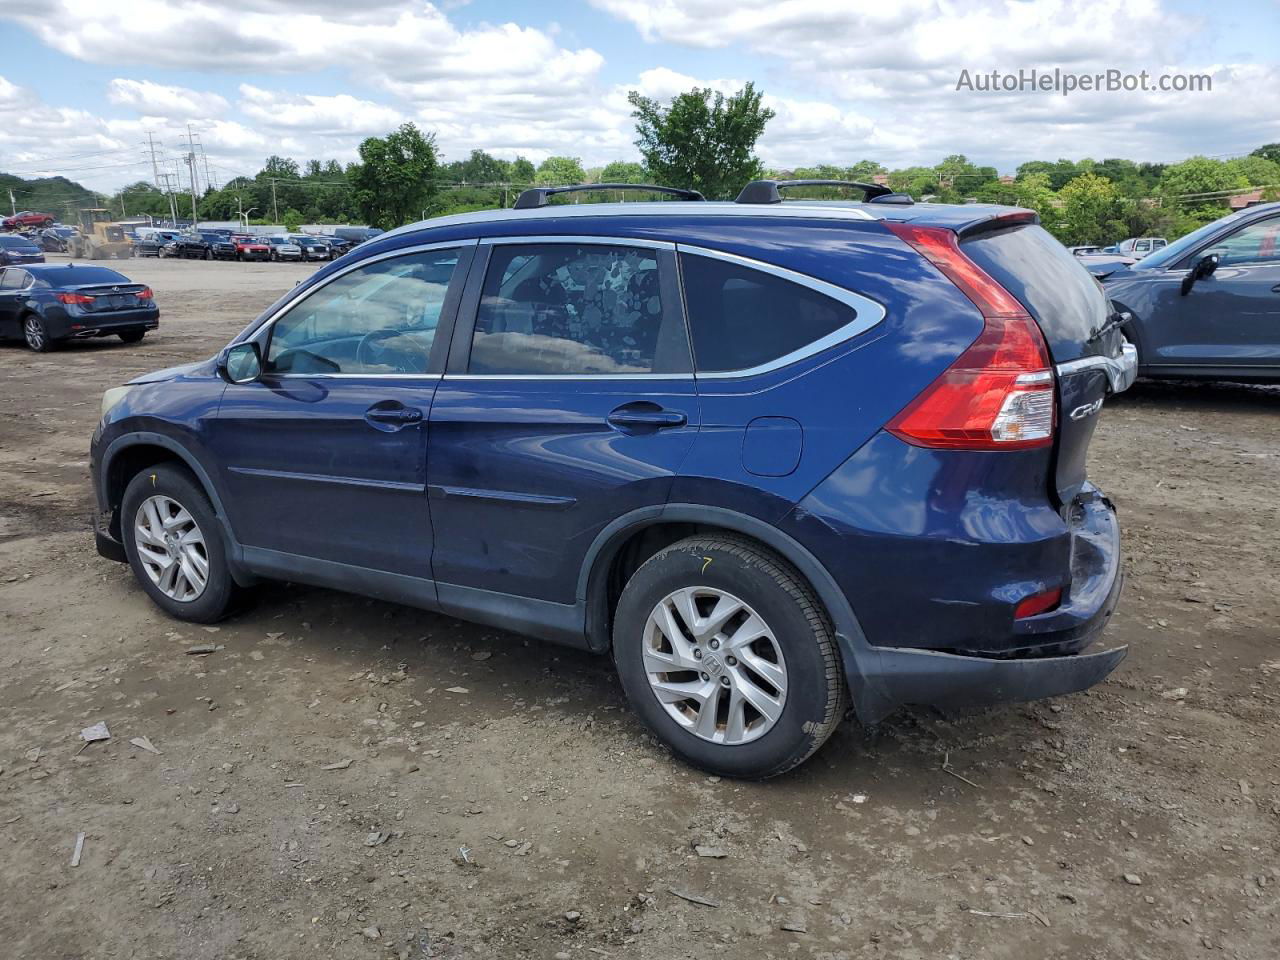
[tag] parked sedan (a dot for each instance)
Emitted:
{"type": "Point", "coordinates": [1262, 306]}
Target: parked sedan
{"type": "Point", "coordinates": [45, 304]}
{"type": "Point", "coordinates": [15, 249]}
{"type": "Point", "coordinates": [282, 248]}
{"type": "Point", "coordinates": [1208, 305]}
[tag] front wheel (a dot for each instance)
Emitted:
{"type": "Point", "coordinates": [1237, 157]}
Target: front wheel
{"type": "Point", "coordinates": [174, 544]}
{"type": "Point", "coordinates": [727, 655]}
{"type": "Point", "coordinates": [208, 254]}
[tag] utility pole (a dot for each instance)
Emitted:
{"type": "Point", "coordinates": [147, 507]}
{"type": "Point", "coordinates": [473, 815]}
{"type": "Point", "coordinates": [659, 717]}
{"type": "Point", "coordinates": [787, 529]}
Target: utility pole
{"type": "Point", "coordinates": [155, 167]}
{"type": "Point", "coordinates": [13, 204]}
{"type": "Point", "coordinates": [275, 207]}
{"type": "Point", "coordinates": [191, 162]}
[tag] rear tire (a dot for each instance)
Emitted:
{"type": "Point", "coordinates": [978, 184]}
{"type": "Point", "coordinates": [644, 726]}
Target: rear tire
{"type": "Point", "coordinates": [36, 334]}
{"type": "Point", "coordinates": [181, 561]}
{"type": "Point", "coordinates": [777, 650]}
{"type": "Point", "coordinates": [132, 336]}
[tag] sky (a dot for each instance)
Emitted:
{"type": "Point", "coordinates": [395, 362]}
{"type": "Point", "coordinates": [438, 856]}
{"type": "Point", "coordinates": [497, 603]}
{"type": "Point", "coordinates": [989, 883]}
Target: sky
{"type": "Point", "coordinates": [85, 82]}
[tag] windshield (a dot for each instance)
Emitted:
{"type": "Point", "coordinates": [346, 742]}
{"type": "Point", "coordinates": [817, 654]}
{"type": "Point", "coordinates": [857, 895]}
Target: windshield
{"type": "Point", "coordinates": [1176, 250]}
{"type": "Point", "coordinates": [15, 243]}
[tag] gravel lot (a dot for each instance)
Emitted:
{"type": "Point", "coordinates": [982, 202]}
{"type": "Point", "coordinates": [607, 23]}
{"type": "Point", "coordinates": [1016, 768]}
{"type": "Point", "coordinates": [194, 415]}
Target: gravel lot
{"type": "Point", "coordinates": [494, 798]}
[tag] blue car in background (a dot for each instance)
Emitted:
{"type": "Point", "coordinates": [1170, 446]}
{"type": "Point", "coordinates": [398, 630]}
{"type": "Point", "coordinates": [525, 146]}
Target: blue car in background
{"type": "Point", "coordinates": [45, 304]}
{"type": "Point", "coordinates": [1207, 306]}
{"type": "Point", "coordinates": [17, 249]}
{"type": "Point", "coordinates": [770, 457]}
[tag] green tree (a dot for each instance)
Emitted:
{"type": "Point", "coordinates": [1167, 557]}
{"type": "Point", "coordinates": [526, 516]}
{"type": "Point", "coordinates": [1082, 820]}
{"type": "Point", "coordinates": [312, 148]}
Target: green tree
{"type": "Point", "coordinates": [556, 171]}
{"type": "Point", "coordinates": [1269, 151]}
{"type": "Point", "coordinates": [292, 219]}
{"type": "Point", "coordinates": [396, 177]}
{"type": "Point", "coordinates": [1089, 210]}
{"type": "Point", "coordinates": [522, 172]}
{"type": "Point", "coordinates": [702, 139]}
{"type": "Point", "coordinates": [624, 171]}
{"type": "Point", "coordinates": [1256, 171]}
{"type": "Point", "coordinates": [1199, 175]}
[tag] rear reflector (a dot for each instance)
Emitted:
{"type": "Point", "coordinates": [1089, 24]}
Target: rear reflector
{"type": "Point", "coordinates": [998, 394]}
{"type": "Point", "coordinates": [73, 298]}
{"type": "Point", "coordinates": [1037, 603]}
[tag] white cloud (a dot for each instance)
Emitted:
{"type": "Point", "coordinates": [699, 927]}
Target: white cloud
{"type": "Point", "coordinates": [159, 100]}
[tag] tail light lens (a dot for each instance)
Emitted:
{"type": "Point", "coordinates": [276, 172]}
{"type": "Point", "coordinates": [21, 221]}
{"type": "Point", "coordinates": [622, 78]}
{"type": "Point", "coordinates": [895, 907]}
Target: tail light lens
{"type": "Point", "coordinates": [144, 294]}
{"type": "Point", "coordinates": [79, 298]}
{"type": "Point", "coordinates": [998, 394]}
{"type": "Point", "coordinates": [1037, 603]}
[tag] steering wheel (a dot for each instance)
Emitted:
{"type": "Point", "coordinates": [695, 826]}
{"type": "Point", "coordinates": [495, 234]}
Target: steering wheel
{"type": "Point", "coordinates": [371, 352]}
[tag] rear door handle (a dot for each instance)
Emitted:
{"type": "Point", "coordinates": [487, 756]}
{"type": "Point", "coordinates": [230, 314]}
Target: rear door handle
{"type": "Point", "coordinates": [1276, 288]}
{"type": "Point", "coordinates": [648, 415]}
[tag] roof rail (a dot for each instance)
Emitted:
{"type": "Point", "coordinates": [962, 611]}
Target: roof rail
{"type": "Point", "coordinates": [539, 196]}
{"type": "Point", "coordinates": [770, 191]}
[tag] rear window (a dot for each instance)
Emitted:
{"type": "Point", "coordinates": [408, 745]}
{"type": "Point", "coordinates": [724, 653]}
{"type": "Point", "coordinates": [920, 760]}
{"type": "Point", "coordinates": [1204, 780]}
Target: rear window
{"type": "Point", "coordinates": [15, 243]}
{"type": "Point", "coordinates": [741, 317]}
{"type": "Point", "coordinates": [1053, 285]}
{"type": "Point", "coordinates": [76, 276]}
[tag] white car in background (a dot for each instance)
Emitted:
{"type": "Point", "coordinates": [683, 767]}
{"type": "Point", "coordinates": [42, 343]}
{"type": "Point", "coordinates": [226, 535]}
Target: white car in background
{"type": "Point", "coordinates": [1139, 247]}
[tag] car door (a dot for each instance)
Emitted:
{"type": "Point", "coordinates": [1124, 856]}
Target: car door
{"type": "Point", "coordinates": [568, 401]}
{"type": "Point", "coordinates": [324, 456]}
{"type": "Point", "coordinates": [13, 281]}
{"type": "Point", "coordinates": [1232, 316]}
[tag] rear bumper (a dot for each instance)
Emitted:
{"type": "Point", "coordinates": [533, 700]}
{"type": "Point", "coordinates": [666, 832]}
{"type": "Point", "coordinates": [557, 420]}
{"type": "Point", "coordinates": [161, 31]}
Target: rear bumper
{"type": "Point", "coordinates": [1046, 658]}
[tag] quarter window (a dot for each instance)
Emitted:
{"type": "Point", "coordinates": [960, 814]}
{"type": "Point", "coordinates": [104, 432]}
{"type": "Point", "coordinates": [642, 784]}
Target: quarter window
{"type": "Point", "coordinates": [378, 319]}
{"type": "Point", "coordinates": [577, 309]}
{"type": "Point", "coordinates": [740, 317]}
{"type": "Point", "coordinates": [1256, 243]}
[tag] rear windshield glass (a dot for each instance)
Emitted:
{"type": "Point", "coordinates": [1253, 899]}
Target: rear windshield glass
{"type": "Point", "coordinates": [75, 276]}
{"type": "Point", "coordinates": [1051, 283]}
{"type": "Point", "coordinates": [15, 243]}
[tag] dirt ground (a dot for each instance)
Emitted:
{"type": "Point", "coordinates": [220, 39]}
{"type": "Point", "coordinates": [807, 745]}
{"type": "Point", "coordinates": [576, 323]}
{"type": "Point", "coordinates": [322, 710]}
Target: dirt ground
{"type": "Point", "coordinates": [345, 778]}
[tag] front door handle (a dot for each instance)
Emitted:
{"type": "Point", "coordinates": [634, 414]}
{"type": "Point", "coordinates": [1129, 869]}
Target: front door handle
{"type": "Point", "coordinates": [645, 416]}
{"type": "Point", "coordinates": [392, 415]}
{"type": "Point", "coordinates": [1276, 288]}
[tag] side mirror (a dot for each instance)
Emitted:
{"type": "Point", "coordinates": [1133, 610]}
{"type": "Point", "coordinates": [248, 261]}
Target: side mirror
{"type": "Point", "coordinates": [1202, 268]}
{"type": "Point", "coordinates": [241, 362]}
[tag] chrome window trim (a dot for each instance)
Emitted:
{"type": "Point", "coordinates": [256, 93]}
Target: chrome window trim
{"type": "Point", "coordinates": [596, 241]}
{"type": "Point", "coordinates": [867, 313]}
{"type": "Point", "coordinates": [568, 376]}
{"type": "Point", "coordinates": [378, 257]}
{"type": "Point", "coordinates": [261, 333]}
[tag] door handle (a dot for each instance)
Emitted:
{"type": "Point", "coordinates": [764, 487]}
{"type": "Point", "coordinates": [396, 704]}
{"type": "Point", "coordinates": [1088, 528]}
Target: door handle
{"type": "Point", "coordinates": [394, 416]}
{"type": "Point", "coordinates": [1276, 288]}
{"type": "Point", "coordinates": [650, 416]}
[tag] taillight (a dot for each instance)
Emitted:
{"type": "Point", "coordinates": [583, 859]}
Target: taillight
{"type": "Point", "coordinates": [999, 393]}
{"type": "Point", "coordinates": [73, 298]}
{"type": "Point", "coordinates": [144, 294]}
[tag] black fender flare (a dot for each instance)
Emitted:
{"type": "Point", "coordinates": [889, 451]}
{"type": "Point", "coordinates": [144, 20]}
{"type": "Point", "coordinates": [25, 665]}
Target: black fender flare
{"type": "Point", "coordinates": [860, 658]}
{"type": "Point", "coordinates": [152, 439]}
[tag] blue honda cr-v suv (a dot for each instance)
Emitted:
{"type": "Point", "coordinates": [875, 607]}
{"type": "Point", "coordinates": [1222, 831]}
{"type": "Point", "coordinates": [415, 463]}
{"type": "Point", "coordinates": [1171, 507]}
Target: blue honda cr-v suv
{"type": "Point", "coordinates": [769, 455]}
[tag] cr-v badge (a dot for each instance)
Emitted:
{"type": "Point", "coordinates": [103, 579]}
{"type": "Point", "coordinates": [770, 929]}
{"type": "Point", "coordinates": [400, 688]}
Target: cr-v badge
{"type": "Point", "coordinates": [1086, 410]}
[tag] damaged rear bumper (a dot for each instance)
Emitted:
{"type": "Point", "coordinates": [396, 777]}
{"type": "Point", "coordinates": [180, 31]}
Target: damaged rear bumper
{"type": "Point", "coordinates": [1048, 661]}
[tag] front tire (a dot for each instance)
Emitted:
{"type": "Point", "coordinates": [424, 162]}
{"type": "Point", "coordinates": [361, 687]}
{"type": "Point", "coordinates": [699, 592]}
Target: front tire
{"type": "Point", "coordinates": [174, 544]}
{"type": "Point", "coordinates": [726, 654]}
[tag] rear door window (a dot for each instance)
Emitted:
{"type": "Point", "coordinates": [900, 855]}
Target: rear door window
{"type": "Point", "coordinates": [578, 309]}
{"type": "Point", "coordinates": [741, 317]}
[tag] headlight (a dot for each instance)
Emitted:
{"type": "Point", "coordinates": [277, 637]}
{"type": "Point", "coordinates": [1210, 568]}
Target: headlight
{"type": "Point", "coordinates": [112, 397]}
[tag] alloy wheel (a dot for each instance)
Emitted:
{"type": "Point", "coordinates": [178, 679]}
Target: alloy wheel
{"type": "Point", "coordinates": [714, 665]}
{"type": "Point", "coordinates": [171, 548]}
{"type": "Point", "coordinates": [33, 330]}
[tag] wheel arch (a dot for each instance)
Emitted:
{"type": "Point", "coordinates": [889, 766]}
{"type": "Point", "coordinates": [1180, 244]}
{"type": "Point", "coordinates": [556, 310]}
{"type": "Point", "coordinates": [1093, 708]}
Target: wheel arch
{"type": "Point", "coordinates": [634, 537]}
{"type": "Point", "coordinates": [128, 454]}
